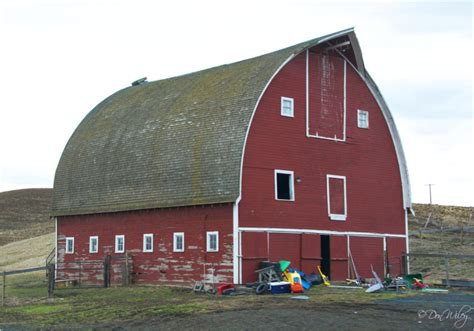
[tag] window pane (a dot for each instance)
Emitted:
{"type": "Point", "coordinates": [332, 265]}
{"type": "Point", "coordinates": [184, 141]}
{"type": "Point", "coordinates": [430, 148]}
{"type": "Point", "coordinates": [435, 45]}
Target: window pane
{"type": "Point", "coordinates": [283, 186]}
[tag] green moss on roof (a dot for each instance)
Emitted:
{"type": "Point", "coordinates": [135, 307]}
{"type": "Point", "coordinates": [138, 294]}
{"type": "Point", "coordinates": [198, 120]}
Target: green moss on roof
{"type": "Point", "coordinates": [172, 142]}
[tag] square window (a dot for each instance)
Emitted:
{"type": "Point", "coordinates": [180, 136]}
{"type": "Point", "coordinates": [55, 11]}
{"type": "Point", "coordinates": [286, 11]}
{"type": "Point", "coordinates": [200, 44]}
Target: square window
{"type": "Point", "coordinates": [178, 242]}
{"type": "Point", "coordinates": [148, 242]}
{"type": "Point", "coordinates": [287, 105]}
{"type": "Point", "coordinates": [93, 244]}
{"type": "Point", "coordinates": [284, 187]}
{"type": "Point", "coordinates": [213, 241]}
{"type": "Point", "coordinates": [119, 244]}
{"type": "Point", "coordinates": [362, 119]}
{"type": "Point", "coordinates": [69, 245]}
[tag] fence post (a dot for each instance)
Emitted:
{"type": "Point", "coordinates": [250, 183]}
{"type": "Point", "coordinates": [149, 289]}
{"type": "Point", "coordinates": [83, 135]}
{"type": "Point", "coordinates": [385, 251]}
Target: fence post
{"type": "Point", "coordinates": [126, 270]}
{"type": "Point", "coordinates": [404, 267]}
{"type": "Point", "coordinates": [4, 286]}
{"type": "Point", "coordinates": [446, 262]}
{"type": "Point", "coordinates": [51, 279]}
{"type": "Point", "coordinates": [107, 267]}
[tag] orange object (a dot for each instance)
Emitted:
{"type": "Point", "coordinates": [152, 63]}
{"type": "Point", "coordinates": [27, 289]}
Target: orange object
{"type": "Point", "coordinates": [418, 283]}
{"type": "Point", "coordinates": [297, 288]}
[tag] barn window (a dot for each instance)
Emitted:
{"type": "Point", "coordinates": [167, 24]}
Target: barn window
{"type": "Point", "coordinates": [148, 242]}
{"type": "Point", "coordinates": [212, 241]}
{"type": "Point", "coordinates": [287, 107]}
{"type": "Point", "coordinates": [119, 244]}
{"type": "Point", "coordinates": [178, 242]}
{"type": "Point", "coordinates": [69, 245]}
{"type": "Point", "coordinates": [337, 199]}
{"type": "Point", "coordinates": [284, 187]}
{"type": "Point", "coordinates": [362, 119]}
{"type": "Point", "coordinates": [93, 244]}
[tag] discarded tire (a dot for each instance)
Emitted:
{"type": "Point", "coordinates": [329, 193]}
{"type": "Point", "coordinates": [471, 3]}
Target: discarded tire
{"type": "Point", "coordinates": [261, 288]}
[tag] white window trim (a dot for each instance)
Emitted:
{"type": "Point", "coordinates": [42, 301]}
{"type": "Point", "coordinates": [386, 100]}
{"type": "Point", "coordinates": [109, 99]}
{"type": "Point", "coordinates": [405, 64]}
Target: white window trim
{"type": "Point", "coordinates": [292, 107]}
{"type": "Point", "coordinates": [208, 241]}
{"type": "Point", "coordinates": [336, 217]}
{"type": "Point", "coordinates": [69, 239]}
{"type": "Point", "coordinates": [90, 244]}
{"type": "Point", "coordinates": [116, 243]}
{"type": "Point", "coordinates": [359, 112]}
{"type": "Point", "coordinates": [292, 184]}
{"type": "Point", "coordinates": [175, 242]}
{"type": "Point", "coordinates": [145, 236]}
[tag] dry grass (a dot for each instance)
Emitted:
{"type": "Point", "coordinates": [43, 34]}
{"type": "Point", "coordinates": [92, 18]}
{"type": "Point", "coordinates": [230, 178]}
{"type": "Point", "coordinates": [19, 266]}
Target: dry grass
{"type": "Point", "coordinates": [25, 214]}
{"type": "Point", "coordinates": [26, 253]}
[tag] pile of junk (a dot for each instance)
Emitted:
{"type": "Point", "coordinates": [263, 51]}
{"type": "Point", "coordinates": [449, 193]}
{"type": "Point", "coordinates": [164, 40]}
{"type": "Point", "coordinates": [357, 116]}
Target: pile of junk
{"type": "Point", "coordinates": [280, 277]}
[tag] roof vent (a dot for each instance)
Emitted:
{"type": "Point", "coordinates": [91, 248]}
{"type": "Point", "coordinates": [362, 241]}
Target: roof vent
{"type": "Point", "coordinates": [139, 81]}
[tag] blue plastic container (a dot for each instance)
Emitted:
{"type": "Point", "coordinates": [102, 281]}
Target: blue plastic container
{"type": "Point", "coordinates": [280, 287]}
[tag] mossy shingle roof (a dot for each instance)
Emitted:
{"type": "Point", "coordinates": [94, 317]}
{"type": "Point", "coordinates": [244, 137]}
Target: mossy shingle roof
{"type": "Point", "coordinates": [172, 142]}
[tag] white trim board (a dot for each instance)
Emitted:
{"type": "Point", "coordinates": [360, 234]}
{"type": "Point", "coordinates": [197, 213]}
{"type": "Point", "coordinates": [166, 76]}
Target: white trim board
{"type": "Point", "coordinates": [336, 217]}
{"type": "Point", "coordinates": [326, 232]}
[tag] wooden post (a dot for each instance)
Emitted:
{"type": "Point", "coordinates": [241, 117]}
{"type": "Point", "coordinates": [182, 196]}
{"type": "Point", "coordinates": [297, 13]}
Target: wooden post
{"type": "Point", "coordinates": [126, 270]}
{"type": "Point", "coordinates": [4, 286]}
{"type": "Point", "coordinates": [446, 262]}
{"type": "Point", "coordinates": [404, 266]}
{"type": "Point", "coordinates": [107, 271]}
{"type": "Point", "coordinates": [51, 279]}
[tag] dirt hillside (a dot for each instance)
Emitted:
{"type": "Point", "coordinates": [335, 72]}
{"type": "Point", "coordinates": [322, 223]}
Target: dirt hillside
{"type": "Point", "coordinates": [25, 214]}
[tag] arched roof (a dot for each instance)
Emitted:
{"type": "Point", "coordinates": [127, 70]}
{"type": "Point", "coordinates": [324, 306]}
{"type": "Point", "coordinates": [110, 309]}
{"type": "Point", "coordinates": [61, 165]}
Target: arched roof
{"type": "Point", "coordinates": [169, 143]}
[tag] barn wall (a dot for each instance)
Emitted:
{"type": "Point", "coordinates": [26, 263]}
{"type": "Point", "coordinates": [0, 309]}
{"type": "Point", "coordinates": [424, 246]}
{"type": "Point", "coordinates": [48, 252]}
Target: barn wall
{"type": "Point", "coordinates": [162, 265]}
{"type": "Point", "coordinates": [367, 158]}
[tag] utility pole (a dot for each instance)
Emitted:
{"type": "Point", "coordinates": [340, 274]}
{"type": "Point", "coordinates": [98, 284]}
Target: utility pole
{"type": "Point", "coordinates": [429, 185]}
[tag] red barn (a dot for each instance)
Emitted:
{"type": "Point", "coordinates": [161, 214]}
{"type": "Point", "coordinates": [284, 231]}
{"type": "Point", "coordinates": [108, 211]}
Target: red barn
{"type": "Point", "coordinates": [290, 155]}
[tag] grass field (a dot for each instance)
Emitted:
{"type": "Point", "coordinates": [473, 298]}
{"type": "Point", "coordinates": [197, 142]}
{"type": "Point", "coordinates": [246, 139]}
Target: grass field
{"type": "Point", "coordinates": [25, 214]}
{"type": "Point", "coordinates": [28, 305]}
{"type": "Point", "coordinates": [26, 238]}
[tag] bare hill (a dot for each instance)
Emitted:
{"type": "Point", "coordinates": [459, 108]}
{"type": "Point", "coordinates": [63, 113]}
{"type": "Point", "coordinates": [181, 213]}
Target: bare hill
{"type": "Point", "coordinates": [25, 214]}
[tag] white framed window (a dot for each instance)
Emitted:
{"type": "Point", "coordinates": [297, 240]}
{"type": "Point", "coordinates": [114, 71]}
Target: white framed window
{"type": "Point", "coordinates": [148, 242]}
{"type": "Point", "coordinates": [284, 185]}
{"type": "Point", "coordinates": [93, 244]}
{"type": "Point", "coordinates": [337, 197]}
{"type": "Point", "coordinates": [69, 245]}
{"type": "Point", "coordinates": [362, 119]}
{"type": "Point", "coordinates": [178, 242]}
{"type": "Point", "coordinates": [119, 244]}
{"type": "Point", "coordinates": [212, 241]}
{"type": "Point", "coordinates": [287, 107]}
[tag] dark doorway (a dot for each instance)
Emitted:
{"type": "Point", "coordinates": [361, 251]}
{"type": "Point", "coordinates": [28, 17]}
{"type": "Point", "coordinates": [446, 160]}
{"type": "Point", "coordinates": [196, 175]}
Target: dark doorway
{"type": "Point", "coordinates": [325, 256]}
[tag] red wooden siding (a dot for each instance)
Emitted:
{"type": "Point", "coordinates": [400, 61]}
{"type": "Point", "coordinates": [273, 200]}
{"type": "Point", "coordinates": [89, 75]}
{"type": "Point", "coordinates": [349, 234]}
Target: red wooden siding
{"type": "Point", "coordinates": [394, 247]}
{"type": "Point", "coordinates": [285, 246]}
{"type": "Point", "coordinates": [254, 251]}
{"type": "Point", "coordinates": [310, 252]}
{"type": "Point", "coordinates": [326, 93]}
{"type": "Point", "coordinates": [366, 252]}
{"type": "Point", "coordinates": [336, 196]}
{"type": "Point", "coordinates": [367, 159]}
{"type": "Point", "coordinates": [338, 257]}
{"type": "Point", "coordinates": [162, 265]}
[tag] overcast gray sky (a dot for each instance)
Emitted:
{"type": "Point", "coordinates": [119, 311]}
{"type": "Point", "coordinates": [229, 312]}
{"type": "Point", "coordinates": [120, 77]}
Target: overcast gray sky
{"type": "Point", "coordinates": [60, 58]}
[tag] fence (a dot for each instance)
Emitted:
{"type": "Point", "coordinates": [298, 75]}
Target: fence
{"type": "Point", "coordinates": [50, 279]}
{"type": "Point", "coordinates": [446, 269]}
{"type": "Point", "coordinates": [112, 270]}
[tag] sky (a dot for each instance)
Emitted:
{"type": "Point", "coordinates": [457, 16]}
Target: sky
{"type": "Point", "coordinates": [60, 58]}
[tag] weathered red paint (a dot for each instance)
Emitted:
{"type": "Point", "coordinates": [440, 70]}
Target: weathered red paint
{"type": "Point", "coordinates": [367, 159]}
{"type": "Point", "coordinates": [162, 265]}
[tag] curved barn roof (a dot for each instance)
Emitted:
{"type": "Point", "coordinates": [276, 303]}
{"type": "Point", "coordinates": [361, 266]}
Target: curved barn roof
{"type": "Point", "coordinates": [172, 142]}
